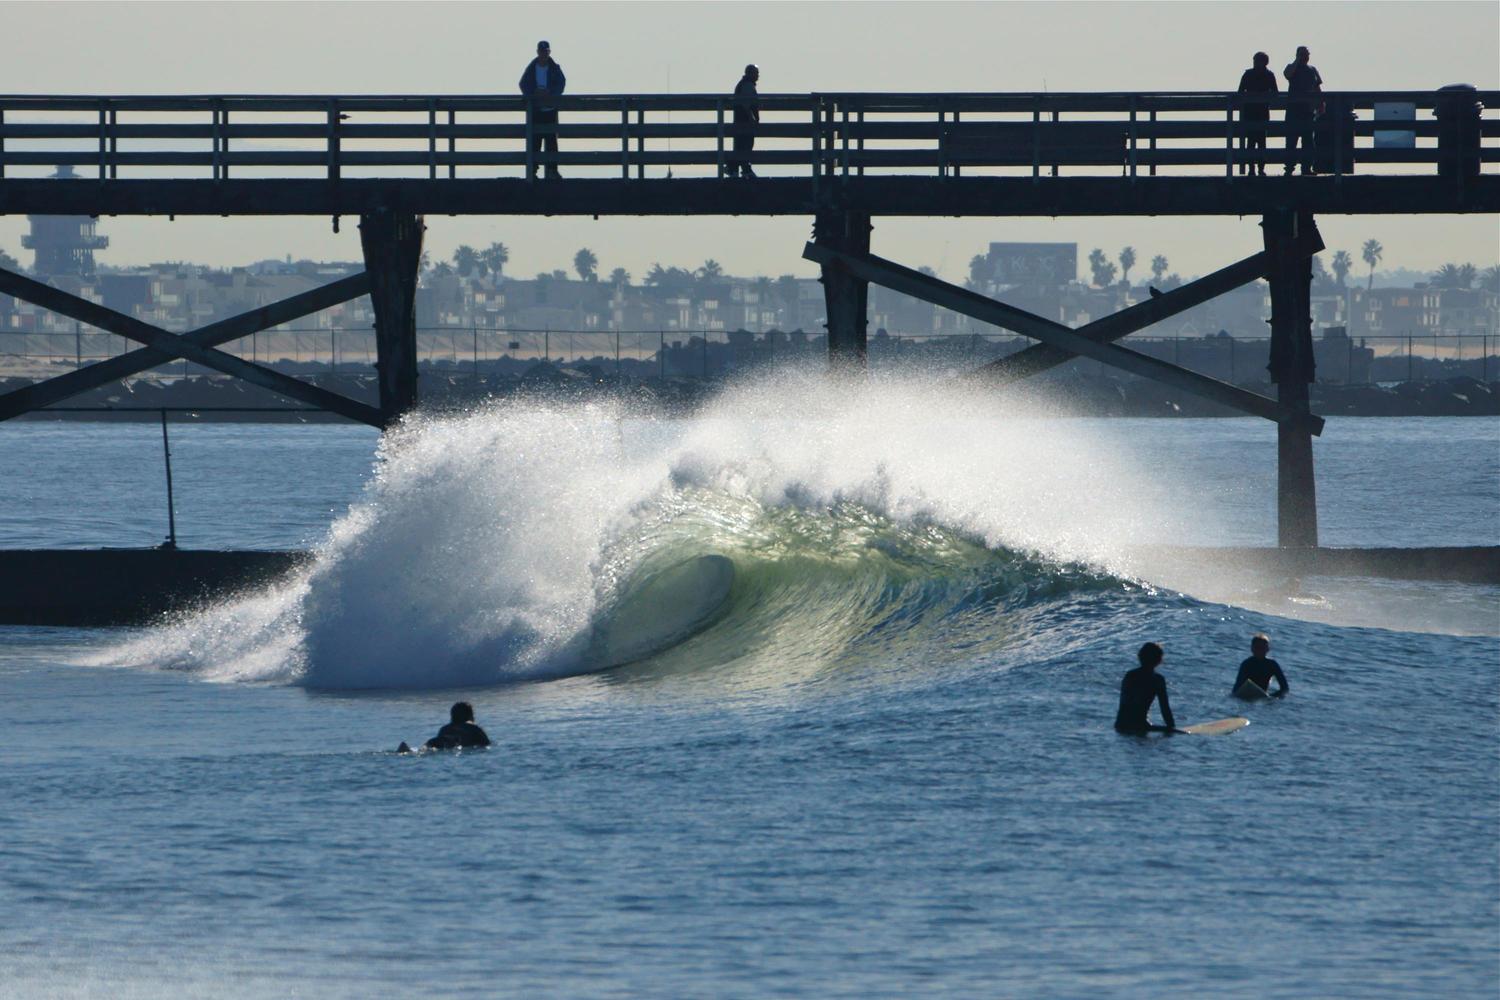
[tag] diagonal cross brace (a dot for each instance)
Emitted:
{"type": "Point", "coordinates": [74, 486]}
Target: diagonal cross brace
{"type": "Point", "coordinates": [903, 279]}
{"type": "Point", "coordinates": [1040, 357]}
{"type": "Point", "coordinates": [197, 346]}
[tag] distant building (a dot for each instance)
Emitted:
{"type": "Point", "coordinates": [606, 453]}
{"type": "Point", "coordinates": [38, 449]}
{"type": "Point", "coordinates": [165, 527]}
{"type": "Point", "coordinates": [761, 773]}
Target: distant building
{"type": "Point", "coordinates": [1049, 265]}
{"type": "Point", "coordinates": [64, 244]}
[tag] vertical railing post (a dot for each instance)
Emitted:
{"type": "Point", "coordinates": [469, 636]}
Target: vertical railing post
{"type": "Point", "coordinates": [103, 141]}
{"type": "Point", "coordinates": [624, 138]}
{"type": "Point", "coordinates": [719, 115]}
{"type": "Point", "coordinates": [530, 145]}
{"type": "Point", "coordinates": [1153, 142]}
{"type": "Point", "coordinates": [333, 139]}
{"type": "Point", "coordinates": [2, 143]}
{"type": "Point", "coordinates": [218, 140]}
{"type": "Point", "coordinates": [1229, 139]}
{"type": "Point", "coordinates": [640, 143]}
{"type": "Point", "coordinates": [431, 139]}
{"type": "Point", "coordinates": [861, 170]}
{"type": "Point", "coordinates": [452, 144]}
{"type": "Point", "coordinates": [114, 144]}
{"type": "Point", "coordinates": [1133, 137]}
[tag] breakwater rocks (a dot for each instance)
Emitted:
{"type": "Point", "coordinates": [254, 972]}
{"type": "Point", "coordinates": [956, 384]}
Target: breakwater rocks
{"type": "Point", "coordinates": [216, 398]}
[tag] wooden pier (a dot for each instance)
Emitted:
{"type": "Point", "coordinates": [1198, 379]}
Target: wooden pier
{"type": "Point", "coordinates": [841, 160]}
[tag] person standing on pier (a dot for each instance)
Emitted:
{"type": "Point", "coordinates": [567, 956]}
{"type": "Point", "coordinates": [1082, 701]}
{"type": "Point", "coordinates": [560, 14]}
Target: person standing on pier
{"type": "Point", "coordinates": [1304, 86]}
{"type": "Point", "coordinates": [746, 121]}
{"type": "Point", "coordinates": [1256, 81]}
{"type": "Point", "coordinates": [542, 81]}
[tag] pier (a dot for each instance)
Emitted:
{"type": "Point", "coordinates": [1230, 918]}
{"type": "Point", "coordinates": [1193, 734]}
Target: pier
{"type": "Point", "coordinates": [396, 164]}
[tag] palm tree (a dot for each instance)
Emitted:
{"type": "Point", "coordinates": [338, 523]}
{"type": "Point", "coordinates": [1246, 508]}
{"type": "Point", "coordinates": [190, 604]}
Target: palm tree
{"type": "Point", "coordinates": [1127, 261]}
{"type": "Point", "coordinates": [465, 259]}
{"type": "Point", "coordinates": [979, 270]}
{"type": "Point", "coordinates": [8, 262]}
{"type": "Point", "coordinates": [1158, 267]}
{"type": "Point", "coordinates": [657, 276]}
{"type": "Point", "coordinates": [1491, 278]}
{"type": "Point", "coordinates": [1467, 275]}
{"type": "Point", "coordinates": [1372, 253]}
{"type": "Point", "coordinates": [711, 270]}
{"type": "Point", "coordinates": [1104, 271]}
{"type": "Point", "coordinates": [1447, 277]}
{"type": "Point", "coordinates": [586, 264]}
{"type": "Point", "coordinates": [619, 276]}
{"type": "Point", "coordinates": [496, 256]}
{"type": "Point", "coordinates": [1342, 264]}
{"type": "Point", "coordinates": [560, 275]}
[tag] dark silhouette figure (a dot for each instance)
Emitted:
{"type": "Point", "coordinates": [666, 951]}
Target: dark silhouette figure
{"type": "Point", "coordinates": [746, 120]}
{"type": "Point", "coordinates": [1260, 669]}
{"type": "Point", "coordinates": [1304, 87]}
{"type": "Point", "coordinates": [460, 730]}
{"type": "Point", "coordinates": [1255, 82]}
{"type": "Point", "coordinates": [1139, 688]}
{"type": "Point", "coordinates": [542, 81]}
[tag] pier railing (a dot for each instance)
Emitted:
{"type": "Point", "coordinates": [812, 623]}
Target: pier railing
{"type": "Point", "coordinates": [1451, 131]}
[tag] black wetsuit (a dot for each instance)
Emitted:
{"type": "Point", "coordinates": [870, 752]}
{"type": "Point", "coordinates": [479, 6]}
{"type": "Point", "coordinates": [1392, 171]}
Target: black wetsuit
{"type": "Point", "coordinates": [1261, 669]}
{"type": "Point", "coordinates": [1138, 690]}
{"type": "Point", "coordinates": [459, 734]}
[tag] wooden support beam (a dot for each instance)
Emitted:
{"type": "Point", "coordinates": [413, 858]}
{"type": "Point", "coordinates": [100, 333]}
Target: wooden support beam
{"type": "Point", "coordinates": [173, 345]}
{"type": "Point", "coordinates": [845, 295]}
{"type": "Point", "coordinates": [61, 387]}
{"type": "Point", "coordinates": [961, 300]}
{"type": "Point", "coordinates": [392, 243]}
{"type": "Point", "coordinates": [1292, 369]}
{"type": "Point", "coordinates": [1040, 357]}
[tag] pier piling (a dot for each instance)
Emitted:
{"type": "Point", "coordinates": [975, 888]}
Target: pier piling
{"type": "Point", "coordinates": [392, 244]}
{"type": "Point", "coordinates": [1292, 369]}
{"type": "Point", "coordinates": [845, 295]}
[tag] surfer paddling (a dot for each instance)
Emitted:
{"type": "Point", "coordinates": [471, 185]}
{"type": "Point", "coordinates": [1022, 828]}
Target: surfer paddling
{"type": "Point", "coordinates": [1258, 669]}
{"type": "Point", "coordinates": [1139, 688]}
{"type": "Point", "coordinates": [459, 733]}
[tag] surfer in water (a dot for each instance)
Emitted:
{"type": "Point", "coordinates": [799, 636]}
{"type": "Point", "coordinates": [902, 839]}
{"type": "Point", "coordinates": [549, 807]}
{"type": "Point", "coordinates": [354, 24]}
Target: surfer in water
{"type": "Point", "coordinates": [1138, 690]}
{"type": "Point", "coordinates": [1259, 669]}
{"type": "Point", "coordinates": [460, 732]}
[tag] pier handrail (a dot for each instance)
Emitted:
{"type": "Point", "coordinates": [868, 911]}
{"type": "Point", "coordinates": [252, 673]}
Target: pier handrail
{"type": "Point", "coordinates": [163, 137]}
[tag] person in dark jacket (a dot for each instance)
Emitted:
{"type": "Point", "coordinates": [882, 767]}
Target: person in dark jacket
{"type": "Point", "coordinates": [1255, 82]}
{"type": "Point", "coordinates": [746, 120]}
{"type": "Point", "coordinates": [1138, 689]}
{"type": "Point", "coordinates": [460, 731]}
{"type": "Point", "coordinates": [542, 81]}
{"type": "Point", "coordinates": [1261, 669]}
{"type": "Point", "coordinates": [1304, 87]}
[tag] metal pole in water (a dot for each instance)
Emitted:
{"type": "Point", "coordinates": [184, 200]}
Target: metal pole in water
{"type": "Point", "coordinates": [166, 451]}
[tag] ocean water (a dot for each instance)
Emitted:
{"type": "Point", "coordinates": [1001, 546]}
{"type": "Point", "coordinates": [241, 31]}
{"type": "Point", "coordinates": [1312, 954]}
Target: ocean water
{"type": "Point", "coordinates": [879, 765]}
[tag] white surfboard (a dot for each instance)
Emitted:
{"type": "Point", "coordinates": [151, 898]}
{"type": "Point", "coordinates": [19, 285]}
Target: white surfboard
{"type": "Point", "coordinates": [1218, 727]}
{"type": "Point", "coordinates": [1251, 691]}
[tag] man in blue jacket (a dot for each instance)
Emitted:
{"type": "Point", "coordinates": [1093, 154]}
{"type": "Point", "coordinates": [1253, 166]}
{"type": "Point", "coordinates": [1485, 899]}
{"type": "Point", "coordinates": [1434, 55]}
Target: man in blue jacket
{"type": "Point", "coordinates": [542, 81]}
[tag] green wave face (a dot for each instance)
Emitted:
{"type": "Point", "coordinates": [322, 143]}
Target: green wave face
{"type": "Point", "coordinates": [819, 591]}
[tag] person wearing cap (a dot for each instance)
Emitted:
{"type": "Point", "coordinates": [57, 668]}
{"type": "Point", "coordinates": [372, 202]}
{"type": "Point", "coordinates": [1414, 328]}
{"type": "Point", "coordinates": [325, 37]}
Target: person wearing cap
{"type": "Point", "coordinates": [746, 119]}
{"type": "Point", "coordinates": [1304, 87]}
{"type": "Point", "coordinates": [542, 81]}
{"type": "Point", "coordinates": [1256, 83]}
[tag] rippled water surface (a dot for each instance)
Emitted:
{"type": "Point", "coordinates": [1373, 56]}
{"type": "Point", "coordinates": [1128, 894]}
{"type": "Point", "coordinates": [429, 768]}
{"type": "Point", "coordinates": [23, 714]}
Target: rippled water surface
{"type": "Point", "coordinates": [880, 766]}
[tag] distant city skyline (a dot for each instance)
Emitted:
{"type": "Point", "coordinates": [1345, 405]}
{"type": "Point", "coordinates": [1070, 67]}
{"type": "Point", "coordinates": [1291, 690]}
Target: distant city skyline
{"type": "Point", "coordinates": [609, 48]}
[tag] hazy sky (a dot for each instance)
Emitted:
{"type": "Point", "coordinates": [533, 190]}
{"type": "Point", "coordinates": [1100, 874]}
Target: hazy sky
{"type": "Point", "coordinates": [463, 48]}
